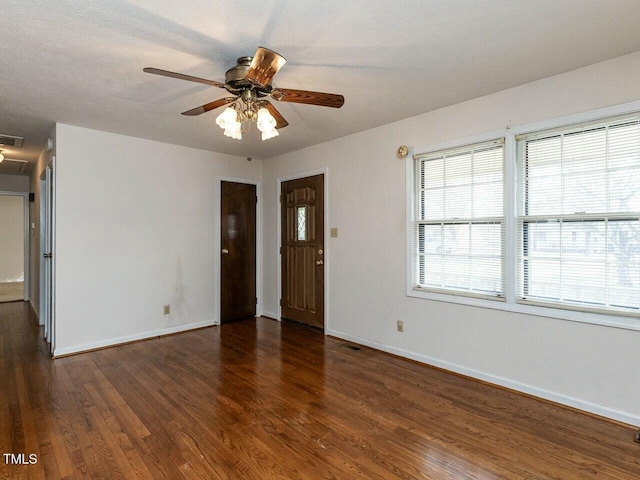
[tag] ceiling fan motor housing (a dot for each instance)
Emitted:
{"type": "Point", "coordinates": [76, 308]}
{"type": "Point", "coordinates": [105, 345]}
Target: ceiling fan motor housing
{"type": "Point", "coordinates": [235, 81]}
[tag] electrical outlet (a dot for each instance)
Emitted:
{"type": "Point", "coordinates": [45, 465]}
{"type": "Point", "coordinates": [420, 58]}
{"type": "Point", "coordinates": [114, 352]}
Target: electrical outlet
{"type": "Point", "coordinates": [400, 325]}
{"type": "Point", "coordinates": [167, 309]}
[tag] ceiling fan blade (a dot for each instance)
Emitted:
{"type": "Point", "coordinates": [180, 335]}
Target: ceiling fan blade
{"type": "Point", "coordinates": [280, 121]}
{"type": "Point", "coordinates": [182, 76]}
{"type": "Point", "coordinates": [310, 98]}
{"type": "Point", "coordinates": [209, 106]}
{"type": "Point", "coordinates": [264, 66]}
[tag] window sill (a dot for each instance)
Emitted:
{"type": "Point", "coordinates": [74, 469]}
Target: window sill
{"type": "Point", "coordinates": [612, 320]}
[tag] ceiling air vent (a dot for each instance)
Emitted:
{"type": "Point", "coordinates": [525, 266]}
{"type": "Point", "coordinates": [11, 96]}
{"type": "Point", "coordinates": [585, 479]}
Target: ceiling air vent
{"type": "Point", "coordinates": [13, 167]}
{"type": "Point", "coordinates": [11, 141]}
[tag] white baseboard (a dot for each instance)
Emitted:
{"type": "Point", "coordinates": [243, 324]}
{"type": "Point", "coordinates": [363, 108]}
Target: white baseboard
{"type": "Point", "coordinates": [600, 410]}
{"type": "Point", "coordinates": [35, 312]}
{"type": "Point", "coordinates": [112, 342]}
{"type": "Point", "coordinates": [272, 315]}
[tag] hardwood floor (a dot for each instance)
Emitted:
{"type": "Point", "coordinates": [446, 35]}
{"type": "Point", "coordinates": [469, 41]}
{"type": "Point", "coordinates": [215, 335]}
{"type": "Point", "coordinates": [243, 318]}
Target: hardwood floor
{"type": "Point", "coordinates": [262, 400]}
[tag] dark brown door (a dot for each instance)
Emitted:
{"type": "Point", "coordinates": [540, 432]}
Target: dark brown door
{"type": "Point", "coordinates": [303, 250]}
{"type": "Point", "coordinates": [238, 251]}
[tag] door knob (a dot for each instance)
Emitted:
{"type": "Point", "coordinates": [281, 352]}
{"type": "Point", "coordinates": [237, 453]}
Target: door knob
{"type": "Point", "coordinates": [225, 251]}
{"type": "Point", "coordinates": [319, 262]}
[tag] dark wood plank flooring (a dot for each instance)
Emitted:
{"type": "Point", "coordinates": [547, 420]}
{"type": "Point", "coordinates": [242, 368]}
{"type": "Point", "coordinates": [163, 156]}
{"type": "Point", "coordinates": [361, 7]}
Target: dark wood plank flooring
{"type": "Point", "coordinates": [262, 400]}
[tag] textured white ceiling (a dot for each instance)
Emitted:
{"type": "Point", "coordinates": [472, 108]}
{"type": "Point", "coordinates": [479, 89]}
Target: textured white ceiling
{"type": "Point", "coordinates": [80, 62]}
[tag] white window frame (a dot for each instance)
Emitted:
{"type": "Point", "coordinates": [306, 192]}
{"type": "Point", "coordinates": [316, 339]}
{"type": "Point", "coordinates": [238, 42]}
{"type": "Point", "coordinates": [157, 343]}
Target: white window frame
{"type": "Point", "coordinates": [452, 291]}
{"type": "Point", "coordinates": [629, 322]}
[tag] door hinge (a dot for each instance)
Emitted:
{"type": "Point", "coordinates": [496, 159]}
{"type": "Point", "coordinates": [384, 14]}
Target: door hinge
{"type": "Point", "coordinates": [280, 198]}
{"type": "Point", "coordinates": [256, 300]}
{"type": "Point", "coordinates": [256, 198]}
{"type": "Point", "coordinates": [281, 303]}
{"type": "Point", "coordinates": [280, 250]}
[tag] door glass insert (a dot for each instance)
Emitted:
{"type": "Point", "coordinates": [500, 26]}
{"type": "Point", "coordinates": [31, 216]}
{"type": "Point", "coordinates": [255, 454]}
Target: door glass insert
{"type": "Point", "coordinates": [302, 223]}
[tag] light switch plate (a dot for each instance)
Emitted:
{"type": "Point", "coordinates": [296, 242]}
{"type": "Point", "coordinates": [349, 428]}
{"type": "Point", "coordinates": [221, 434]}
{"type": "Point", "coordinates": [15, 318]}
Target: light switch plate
{"type": "Point", "coordinates": [334, 232]}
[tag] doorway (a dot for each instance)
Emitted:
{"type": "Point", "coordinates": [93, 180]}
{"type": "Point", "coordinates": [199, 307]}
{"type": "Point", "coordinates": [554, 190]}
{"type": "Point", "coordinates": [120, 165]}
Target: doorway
{"type": "Point", "coordinates": [14, 247]}
{"type": "Point", "coordinates": [302, 250]}
{"type": "Point", "coordinates": [238, 204]}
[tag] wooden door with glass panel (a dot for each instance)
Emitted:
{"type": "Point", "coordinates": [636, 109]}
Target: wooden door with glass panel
{"type": "Point", "coordinates": [302, 252]}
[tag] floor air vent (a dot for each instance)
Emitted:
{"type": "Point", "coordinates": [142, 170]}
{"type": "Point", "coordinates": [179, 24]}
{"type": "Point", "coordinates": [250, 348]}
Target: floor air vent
{"type": "Point", "coordinates": [351, 347]}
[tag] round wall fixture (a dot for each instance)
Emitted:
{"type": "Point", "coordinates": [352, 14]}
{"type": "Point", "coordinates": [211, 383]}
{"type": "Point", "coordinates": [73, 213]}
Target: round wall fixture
{"type": "Point", "coordinates": [403, 151]}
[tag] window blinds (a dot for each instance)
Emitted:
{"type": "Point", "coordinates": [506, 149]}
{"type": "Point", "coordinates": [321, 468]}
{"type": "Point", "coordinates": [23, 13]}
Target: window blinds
{"type": "Point", "coordinates": [578, 216]}
{"type": "Point", "coordinates": [458, 224]}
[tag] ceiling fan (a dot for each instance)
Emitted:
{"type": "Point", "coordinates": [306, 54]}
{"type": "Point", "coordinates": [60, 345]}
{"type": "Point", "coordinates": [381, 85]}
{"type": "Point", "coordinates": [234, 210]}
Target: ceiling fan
{"type": "Point", "coordinates": [250, 83]}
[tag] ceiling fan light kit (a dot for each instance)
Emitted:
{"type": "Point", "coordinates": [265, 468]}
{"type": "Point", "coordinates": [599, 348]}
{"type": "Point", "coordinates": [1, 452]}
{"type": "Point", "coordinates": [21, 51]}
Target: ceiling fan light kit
{"type": "Point", "coordinates": [266, 124]}
{"type": "Point", "coordinates": [228, 121]}
{"type": "Point", "coordinates": [234, 120]}
{"type": "Point", "coordinates": [250, 82]}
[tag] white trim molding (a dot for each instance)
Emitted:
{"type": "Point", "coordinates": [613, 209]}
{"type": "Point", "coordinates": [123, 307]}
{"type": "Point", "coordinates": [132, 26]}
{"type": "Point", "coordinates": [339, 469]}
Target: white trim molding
{"type": "Point", "coordinates": [113, 342]}
{"type": "Point", "coordinates": [576, 403]}
{"type": "Point", "coordinates": [271, 315]}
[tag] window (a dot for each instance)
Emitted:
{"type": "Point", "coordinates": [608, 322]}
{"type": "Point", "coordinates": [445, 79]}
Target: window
{"type": "Point", "coordinates": [545, 220]}
{"type": "Point", "coordinates": [302, 223]}
{"type": "Point", "coordinates": [458, 223]}
{"type": "Point", "coordinates": [578, 217]}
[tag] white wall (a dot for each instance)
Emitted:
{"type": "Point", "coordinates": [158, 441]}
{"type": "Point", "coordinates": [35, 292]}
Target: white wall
{"type": "Point", "coordinates": [135, 229]}
{"type": "Point", "coordinates": [11, 238]}
{"type": "Point", "coordinates": [14, 183]}
{"type": "Point", "coordinates": [587, 366]}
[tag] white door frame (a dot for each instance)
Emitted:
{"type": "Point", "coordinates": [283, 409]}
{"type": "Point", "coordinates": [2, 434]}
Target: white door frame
{"type": "Point", "coordinates": [25, 205]}
{"type": "Point", "coordinates": [327, 251]}
{"type": "Point", "coordinates": [42, 303]}
{"type": "Point", "coordinates": [48, 245]}
{"type": "Point", "coordinates": [217, 246]}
